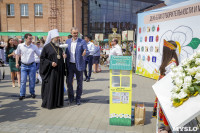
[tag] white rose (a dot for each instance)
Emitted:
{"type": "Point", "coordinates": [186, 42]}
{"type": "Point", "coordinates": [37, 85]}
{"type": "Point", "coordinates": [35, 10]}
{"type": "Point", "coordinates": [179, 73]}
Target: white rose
{"type": "Point", "coordinates": [175, 89]}
{"type": "Point", "coordinates": [198, 69]}
{"type": "Point", "coordinates": [185, 62]}
{"type": "Point", "coordinates": [183, 75]}
{"type": "Point", "coordinates": [197, 76]}
{"type": "Point", "coordinates": [192, 71]}
{"type": "Point", "coordinates": [180, 69]}
{"type": "Point", "coordinates": [188, 79]}
{"type": "Point", "coordinates": [174, 96]}
{"type": "Point", "coordinates": [178, 82]}
{"type": "Point", "coordinates": [175, 69]}
{"type": "Point", "coordinates": [180, 75]}
{"type": "Point", "coordinates": [182, 94]}
{"type": "Point", "coordinates": [173, 76]}
{"type": "Point", "coordinates": [197, 62]}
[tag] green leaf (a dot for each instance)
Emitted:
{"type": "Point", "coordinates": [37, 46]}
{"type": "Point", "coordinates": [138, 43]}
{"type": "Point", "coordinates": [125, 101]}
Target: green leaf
{"type": "Point", "coordinates": [177, 100]}
{"type": "Point", "coordinates": [191, 89]}
{"type": "Point", "coordinates": [197, 88]}
{"type": "Point", "coordinates": [194, 43]}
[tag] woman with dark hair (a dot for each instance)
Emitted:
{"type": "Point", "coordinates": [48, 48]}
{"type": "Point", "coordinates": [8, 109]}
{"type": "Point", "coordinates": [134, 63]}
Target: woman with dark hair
{"type": "Point", "coordinates": [10, 57]}
{"type": "Point", "coordinates": [169, 58]}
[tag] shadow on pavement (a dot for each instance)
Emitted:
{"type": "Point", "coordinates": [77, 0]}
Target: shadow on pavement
{"type": "Point", "coordinates": [146, 104]}
{"type": "Point", "coordinates": [148, 117]}
{"type": "Point", "coordinates": [90, 91]}
{"type": "Point", "coordinates": [104, 71]}
{"type": "Point", "coordinates": [100, 80]}
{"type": "Point", "coordinates": [18, 110]}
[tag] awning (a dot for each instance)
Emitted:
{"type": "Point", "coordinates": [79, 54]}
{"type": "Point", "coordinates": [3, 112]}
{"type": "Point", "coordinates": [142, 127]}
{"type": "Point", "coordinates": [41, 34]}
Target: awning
{"type": "Point", "coordinates": [32, 33]}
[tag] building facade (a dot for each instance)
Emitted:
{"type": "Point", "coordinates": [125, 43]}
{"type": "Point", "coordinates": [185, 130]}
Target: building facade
{"type": "Point", "coordinates": [40, 15]}
{"type": "Point", "coordinates": [90, 16]}
{"type": "Point", "coordinates": [121, 14]}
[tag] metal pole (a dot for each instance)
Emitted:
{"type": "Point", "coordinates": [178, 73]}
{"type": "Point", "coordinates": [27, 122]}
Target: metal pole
{"type": "Point", "coordinates": [157, 122]}
{"type": "Point", "coordinates": [72, 13]}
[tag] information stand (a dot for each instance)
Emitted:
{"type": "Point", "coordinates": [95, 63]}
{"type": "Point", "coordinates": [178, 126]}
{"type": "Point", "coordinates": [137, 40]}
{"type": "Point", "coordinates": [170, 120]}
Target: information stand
{"type": "Point", "coordinates": [120, 90]}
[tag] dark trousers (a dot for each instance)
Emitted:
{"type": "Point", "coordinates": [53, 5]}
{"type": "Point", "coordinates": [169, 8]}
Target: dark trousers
{"type": "Point", "coordinates": [79, 77]}
{"type": "Point", "coordinates": [89, 63]}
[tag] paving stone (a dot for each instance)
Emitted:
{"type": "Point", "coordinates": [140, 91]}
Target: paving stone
{"type": "Point", "coordinates": [90, 117]}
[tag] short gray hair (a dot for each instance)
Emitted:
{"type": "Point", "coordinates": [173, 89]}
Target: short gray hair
{"type": "Point", "coordinates": [74, 28]}
{"type": "Point", "coordinates": [16, 39]}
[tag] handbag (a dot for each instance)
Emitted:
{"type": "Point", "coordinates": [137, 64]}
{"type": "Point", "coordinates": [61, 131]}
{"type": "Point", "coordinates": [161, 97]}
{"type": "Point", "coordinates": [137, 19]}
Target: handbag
{"type": "Point", "coordinates": [139, 114]}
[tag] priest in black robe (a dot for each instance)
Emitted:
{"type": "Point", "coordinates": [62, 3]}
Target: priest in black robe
{"type": "Point", "coordinates": [52, 71]}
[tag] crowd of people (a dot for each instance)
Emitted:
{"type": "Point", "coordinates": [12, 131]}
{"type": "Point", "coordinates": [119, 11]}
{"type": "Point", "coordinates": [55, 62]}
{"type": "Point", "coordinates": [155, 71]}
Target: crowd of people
{"type": "Point", "coordinates": [52, 61]}
{"type": "Point", "coordinates": [47, 62]}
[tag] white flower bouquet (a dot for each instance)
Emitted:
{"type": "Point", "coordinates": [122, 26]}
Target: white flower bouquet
{"type": "Point", "coordinates": [186, 79]}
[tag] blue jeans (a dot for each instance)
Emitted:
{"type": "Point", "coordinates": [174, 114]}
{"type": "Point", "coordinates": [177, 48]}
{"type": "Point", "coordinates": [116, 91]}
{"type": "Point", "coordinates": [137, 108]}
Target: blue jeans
{"type": "Point", "coordinates": [31, 72]}
{"type": "Point", "coordinates": [89, 63]}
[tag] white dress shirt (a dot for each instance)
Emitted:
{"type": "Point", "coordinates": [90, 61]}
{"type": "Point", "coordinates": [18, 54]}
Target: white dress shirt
{"type": "Point", "coordinates": [73, 50]}
{"type": "Point", "coordinates": [91, 47]}
{"type": "Point", "coordinates": [115, 50]}
{"type": "Point", "coordinates": [37, 59]}
{"type": "Point", "coordinates": [27, 52]}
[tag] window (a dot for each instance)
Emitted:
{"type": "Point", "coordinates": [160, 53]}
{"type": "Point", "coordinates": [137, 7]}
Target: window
{"type": "Point", "coordinates": [24, 9]}
{"type": "Point", "coordinates": [10, 10]}
{"type": "Point", "coordinates": [38, 10]}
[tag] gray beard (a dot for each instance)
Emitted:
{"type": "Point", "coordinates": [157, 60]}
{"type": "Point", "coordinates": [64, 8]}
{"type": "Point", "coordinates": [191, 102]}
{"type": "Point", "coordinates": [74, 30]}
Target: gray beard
{"type": "Point", "coordinates": [56, 43]}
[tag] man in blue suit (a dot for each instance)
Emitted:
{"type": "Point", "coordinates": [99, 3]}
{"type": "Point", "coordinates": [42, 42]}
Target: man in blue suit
{"type": "Point", "coordinates": [76, 52]}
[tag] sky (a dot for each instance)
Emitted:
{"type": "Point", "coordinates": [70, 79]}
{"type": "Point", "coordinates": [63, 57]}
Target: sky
{"type": "Point", "coordinates": [171, 2]}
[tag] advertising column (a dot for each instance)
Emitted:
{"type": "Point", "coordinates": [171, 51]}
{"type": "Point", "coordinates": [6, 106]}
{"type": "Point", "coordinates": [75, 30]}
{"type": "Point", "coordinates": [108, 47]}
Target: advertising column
{"type": "Point", "coordinates": [120, 90]}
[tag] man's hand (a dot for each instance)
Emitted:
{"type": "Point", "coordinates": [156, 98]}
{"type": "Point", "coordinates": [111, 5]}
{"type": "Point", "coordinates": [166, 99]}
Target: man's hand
{"type": "Point", "coordinates": [54, 64]}
{"type": "Point", "coordinates": [64, 56]}
{"type": "Point", "coordinates": [84, 53]}
{"type": "Point", "coordinates": [17, 65]}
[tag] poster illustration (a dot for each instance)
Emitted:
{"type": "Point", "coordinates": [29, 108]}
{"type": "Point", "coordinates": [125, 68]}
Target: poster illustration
{"type": "Point", "coordinates": [178, 23]}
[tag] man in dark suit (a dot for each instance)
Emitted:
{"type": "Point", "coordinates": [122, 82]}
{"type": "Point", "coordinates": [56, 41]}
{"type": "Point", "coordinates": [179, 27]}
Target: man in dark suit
{"type": "Point", "coordinates": [76, 53]}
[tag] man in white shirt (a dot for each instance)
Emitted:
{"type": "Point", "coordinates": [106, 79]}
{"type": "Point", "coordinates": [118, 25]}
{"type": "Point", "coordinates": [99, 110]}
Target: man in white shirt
{"type": "Point", "coordinates": [28, 66]}
{"type": "Point", "coordinates": [76, 52]}
{"type": "Point", "coordinates": [116, 49]}
{"type": "Point", "coordinates": [89, 59]}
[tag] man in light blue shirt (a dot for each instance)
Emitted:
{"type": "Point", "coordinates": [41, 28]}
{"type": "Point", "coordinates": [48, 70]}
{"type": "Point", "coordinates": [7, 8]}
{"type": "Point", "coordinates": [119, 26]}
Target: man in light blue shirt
{"type": "Point", "coordinates": [89, 59]}
{"type": "Point", "coordinates": [28, 66]}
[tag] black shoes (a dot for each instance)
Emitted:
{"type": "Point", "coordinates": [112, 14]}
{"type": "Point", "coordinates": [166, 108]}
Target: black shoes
{"type": "Point", "coordinates": [33, 95]}
{"type": "Point", "coordinates": [88, 80]}
{"type": "Point", "coordinates": [71, 100]}
{"type": "Point", "coordinates": [78, 102]}
{"type": "Point", "coordinates": [21, 97]}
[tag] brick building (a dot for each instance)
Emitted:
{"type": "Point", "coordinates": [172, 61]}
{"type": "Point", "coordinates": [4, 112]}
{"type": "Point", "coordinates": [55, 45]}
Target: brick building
{"type": "Point", "coordinates": [90, 16]}
{"type": "Point", "coordinates": [39, 16]}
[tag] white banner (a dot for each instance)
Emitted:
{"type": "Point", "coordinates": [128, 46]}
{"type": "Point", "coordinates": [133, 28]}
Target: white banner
{"type": "Point", "coordinates": [179, 23]}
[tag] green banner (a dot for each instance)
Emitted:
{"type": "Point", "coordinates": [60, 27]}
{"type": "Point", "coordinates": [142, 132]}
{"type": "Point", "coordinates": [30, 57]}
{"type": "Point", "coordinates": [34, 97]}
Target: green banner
{"type": "Point", "coordinates": [32, 33]}
{"type": "Point", "coordinates": [120, 63]}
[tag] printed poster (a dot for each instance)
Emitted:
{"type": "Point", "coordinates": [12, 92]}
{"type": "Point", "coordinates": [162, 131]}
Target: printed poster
{"type": "Point", "coordinates": [179, 23]}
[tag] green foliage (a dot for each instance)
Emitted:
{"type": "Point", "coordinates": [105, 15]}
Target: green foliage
{"type": "Point", "coordinates": [177, 100]}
